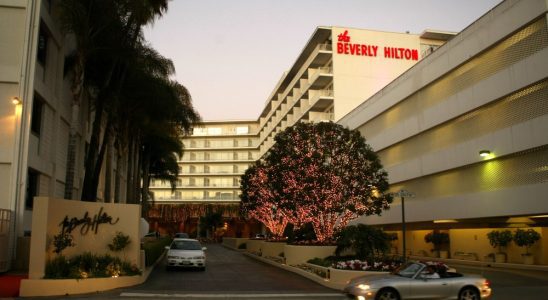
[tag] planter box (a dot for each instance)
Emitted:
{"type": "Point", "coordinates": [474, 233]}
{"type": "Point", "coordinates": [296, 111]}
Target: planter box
{"type": "Point", "coordinates": [295, 255]}
{"type": "Point", "coordinates": [255, 246]}
{"type": "Point", "coordinates": [58, 287]}
{"type": "Point", "coordinates": [234, 243]}
{"type": "Point", "coordinates": [528, 259]}
{"type": "Point", "coordinates": [273, 249]}
{"type": "Point", "coordinates": [500, 257]}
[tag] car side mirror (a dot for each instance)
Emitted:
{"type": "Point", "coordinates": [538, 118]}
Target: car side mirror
{"type": "Point", "coordinates": [204, 248]}
{"type": "Point", "coordinates": [167, 247]}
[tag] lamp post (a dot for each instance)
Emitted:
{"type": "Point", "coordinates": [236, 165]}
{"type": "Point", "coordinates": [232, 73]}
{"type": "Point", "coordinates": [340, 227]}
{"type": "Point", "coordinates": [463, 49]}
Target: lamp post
{"type": "Point", "coordinates": [402, 194]}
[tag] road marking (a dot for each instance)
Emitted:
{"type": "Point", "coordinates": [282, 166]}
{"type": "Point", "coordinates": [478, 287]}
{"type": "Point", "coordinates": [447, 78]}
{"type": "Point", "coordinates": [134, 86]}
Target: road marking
{"type": "Point", "coordinates": [254, 296]}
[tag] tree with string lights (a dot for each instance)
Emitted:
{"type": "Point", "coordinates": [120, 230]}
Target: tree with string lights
{"type": "Point", "coordinates": [260, 202]}
{"type": "Point", "coordinates": [323, 174]}
{"type": "Point", "coordinates": [327, 175]}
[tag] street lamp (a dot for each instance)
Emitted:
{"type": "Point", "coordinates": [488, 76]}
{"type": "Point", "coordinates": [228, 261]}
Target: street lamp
{"type": "Point", "coordinates": [402, 194]}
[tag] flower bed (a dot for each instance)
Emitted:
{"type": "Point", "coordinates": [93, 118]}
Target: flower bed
{"type": "Point", "coordinates": [358, 265]}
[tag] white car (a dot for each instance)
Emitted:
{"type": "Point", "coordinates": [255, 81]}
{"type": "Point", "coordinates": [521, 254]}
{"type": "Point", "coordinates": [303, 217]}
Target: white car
{"type": "Point", "coordinates": [186, 253]}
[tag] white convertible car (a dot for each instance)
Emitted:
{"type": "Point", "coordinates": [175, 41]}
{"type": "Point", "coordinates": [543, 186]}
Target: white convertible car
{"type": "Point", "coordinates": [417, 280]}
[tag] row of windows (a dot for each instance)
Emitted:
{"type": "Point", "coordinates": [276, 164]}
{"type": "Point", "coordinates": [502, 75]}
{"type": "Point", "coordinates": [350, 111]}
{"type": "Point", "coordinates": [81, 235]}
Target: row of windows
{"type": "Point", "coordinates": [236, 155]}
{"type": "Point", "coordinates": [214, 169]}
{"type": "Point", "coordinates": [237, 130]}
{"type": "Point", "coordinates": [221, 143]}
{"type": "Point", "coordinates": [196, 195]}
{"type": "Point", "coordinates": [200, 182]}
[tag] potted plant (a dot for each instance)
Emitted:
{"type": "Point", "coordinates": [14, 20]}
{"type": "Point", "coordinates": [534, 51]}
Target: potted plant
{"type": "Point", "coordinates": [526, 238]}
{"type": "Point", "coordinates": [500, 239]}
{"type": "Point", "coordinates": [438, 239]}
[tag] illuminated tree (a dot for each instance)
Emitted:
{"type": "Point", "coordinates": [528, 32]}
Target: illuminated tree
{"type": "Point", "coordinates": [325, 174]}
{"type": "Point", "coordinates": [260, 202]}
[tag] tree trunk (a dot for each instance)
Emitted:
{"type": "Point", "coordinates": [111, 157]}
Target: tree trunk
{"type": "Point", "coordinates": [108, 174]}
{"type": "Point", "coordinates": [89, 191]}
{"type": "Point", "coordinates": [146, 182]}
{"type": "Point", "coordinates": [130, 165]}
{"type": "Point", "coordinates": [76, 89]}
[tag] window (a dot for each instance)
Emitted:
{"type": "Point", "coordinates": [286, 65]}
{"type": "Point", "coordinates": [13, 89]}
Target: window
{"type": "Point", "coordinates": [242, 130]}
{"type": "Point", "coordinates": [43, 38]}
{"type": "Point", "coordinates": [32, 188]}
{"type": "Point", "coordinates": [37, 111]}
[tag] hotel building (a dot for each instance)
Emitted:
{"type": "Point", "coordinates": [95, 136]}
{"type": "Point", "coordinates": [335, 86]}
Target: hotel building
{"type": "Point", "coordinates": [338, 68]}
{"type": "Point", "coordinates": [430, 104]}
{"type": "Point", "coordinates": [483, 92]}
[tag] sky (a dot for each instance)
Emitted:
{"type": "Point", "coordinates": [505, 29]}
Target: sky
{"type": "Point", "coordinates": [231, 54]}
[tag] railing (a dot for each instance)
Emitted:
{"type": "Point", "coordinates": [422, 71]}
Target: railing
{"type": "Point", "coordinates": [313, 74]}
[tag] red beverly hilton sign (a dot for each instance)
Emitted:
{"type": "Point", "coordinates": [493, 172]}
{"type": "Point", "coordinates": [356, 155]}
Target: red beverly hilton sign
{"type": "Point", "coordinates": [344, 46]}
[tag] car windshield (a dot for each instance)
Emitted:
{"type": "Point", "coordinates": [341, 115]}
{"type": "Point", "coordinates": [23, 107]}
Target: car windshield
{"type": "Point", "coordinates": [408, 270]}
{"type": "Point", "coordinates": [186, 245]}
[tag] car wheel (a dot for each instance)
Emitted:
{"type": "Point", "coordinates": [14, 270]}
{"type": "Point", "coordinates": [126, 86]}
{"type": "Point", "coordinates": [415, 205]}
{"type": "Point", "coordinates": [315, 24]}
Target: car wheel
{"type": "Point", "coordinates": [387, 294]}
{"type": "Point", "coordinates": [469, 294]}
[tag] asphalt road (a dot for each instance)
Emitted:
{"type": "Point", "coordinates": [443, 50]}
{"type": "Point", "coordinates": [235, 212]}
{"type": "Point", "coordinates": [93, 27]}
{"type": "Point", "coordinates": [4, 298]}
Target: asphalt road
{"type": "Point", "coordinates": [231, 275]}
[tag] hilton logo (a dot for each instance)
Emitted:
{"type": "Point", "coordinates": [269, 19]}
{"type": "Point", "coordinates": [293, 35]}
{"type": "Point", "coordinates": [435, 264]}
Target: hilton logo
{"type": "Point", "coordinates": [345, 47]}
{"type": "Point", "coordinates": [343, 37]}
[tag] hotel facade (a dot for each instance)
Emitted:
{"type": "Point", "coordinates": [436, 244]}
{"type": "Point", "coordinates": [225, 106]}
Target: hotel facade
{"type": "Point", "coordinates": [429, 104]}
{"type": "Point", "coordinates": [320, 86]}
{"type": "Point", "coordinates": [465, 131]}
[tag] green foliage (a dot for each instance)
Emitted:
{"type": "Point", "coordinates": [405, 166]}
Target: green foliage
{"type": "Point", "coordinates": [154, 249]}
{"type": "Point", "coordinates": [526, 238]}
{"type": "Point", "coordinates": [242, 246]}
{"type": "Point", "coordinates": [210, 222]}
{"type": "Point", "coordinates": [88, 265]}
{"type": "Point", "coordinates": [499, 238]}
{"type": "Point", "coordinates": [437, 239]}
{"type": "Point", "coordinates": [320, 262]}
{"type": "Point", "coordinates": [366, 241]}
{"type": "Point", "coordinates": [62, 241]}
{"type": "Point", "coordinates": [119, 242]}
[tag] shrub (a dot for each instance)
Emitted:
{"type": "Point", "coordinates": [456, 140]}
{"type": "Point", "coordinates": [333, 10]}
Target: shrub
{"type": "Point", "coordinates": [526, 238]}
{"type": "Point", "coordinates": [366, 241]}
{"type": "Point", "coordinates": [499, 238]}
{"type": "Point", "coordinates": [119, 242]}
{"type": "Point", "coordinates": [437, 239]}
{"type": "Point", "coordinates": [88, 265]}
{"type": "Point", "coordinates": [320, 262]}
{"type": "Point", "coordinates": [62, 241]}
{"type": "Point", "coordinates": [154, 249]}
{"type": "Point", "coordinates": [242, 246]}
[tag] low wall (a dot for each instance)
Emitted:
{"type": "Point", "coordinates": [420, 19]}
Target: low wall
{"type": "Point", "coordinates": [295, 255]}
{"type": "Point", "coordinates": [255, 246]}
{"type": "Point", "coordinates": [92, 226]}
{"type": "Point", "coordinates": [273, 248]}
{"type": "Point", "coordinates": [61, 287]}
{"type": "Point", "coordinates": [234, 243]}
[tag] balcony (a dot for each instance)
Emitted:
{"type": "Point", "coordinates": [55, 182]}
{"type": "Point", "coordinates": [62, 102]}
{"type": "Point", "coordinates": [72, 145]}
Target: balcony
{"type": "Point", "coordinates": [320, 77]}
{"type": "Point", "coordinates": [320, 99]}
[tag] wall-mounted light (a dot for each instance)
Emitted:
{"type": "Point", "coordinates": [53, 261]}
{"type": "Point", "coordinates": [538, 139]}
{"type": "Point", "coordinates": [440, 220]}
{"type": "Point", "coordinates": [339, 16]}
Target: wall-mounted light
{"type": "Point", "coordinates": [484, 153]}
{"type": "Point", "coordinates": [15, 100]}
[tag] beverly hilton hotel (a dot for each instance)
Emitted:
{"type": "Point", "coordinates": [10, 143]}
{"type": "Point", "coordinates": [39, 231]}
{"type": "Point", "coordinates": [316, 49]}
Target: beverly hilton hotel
{"type": "Point", "coordinates": [333, 74]}
{"type": "Point", "coordinates": [460, 120]}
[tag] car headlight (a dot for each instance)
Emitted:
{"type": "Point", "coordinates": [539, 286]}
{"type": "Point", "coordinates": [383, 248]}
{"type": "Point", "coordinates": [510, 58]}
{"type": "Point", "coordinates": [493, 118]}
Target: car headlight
{"type": "Point", "coordinates": [198, 257]}
{"type": "Point", "coordinates": [363, 287]}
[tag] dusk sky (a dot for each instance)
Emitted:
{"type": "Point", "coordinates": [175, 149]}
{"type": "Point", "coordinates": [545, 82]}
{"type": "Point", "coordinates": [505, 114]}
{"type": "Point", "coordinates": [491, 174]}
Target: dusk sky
{"type": "Point", "coordinates": [231, 54]}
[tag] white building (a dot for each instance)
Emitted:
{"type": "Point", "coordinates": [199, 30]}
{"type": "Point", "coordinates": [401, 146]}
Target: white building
{"type": "Point", "coordinates": [484, 90]}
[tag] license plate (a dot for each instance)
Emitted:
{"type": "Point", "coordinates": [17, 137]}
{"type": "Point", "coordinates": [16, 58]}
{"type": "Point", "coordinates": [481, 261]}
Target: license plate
{"type": "Point", "coordinates": [185, 262]}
